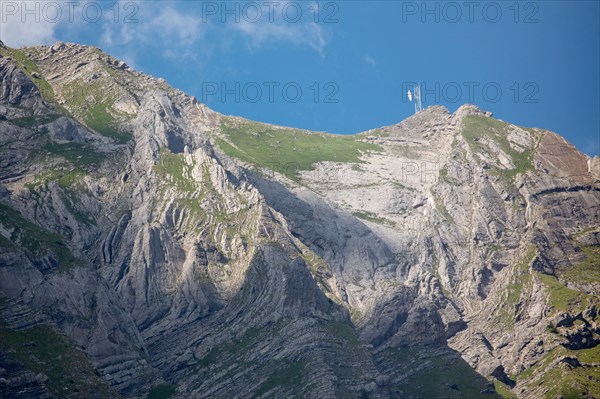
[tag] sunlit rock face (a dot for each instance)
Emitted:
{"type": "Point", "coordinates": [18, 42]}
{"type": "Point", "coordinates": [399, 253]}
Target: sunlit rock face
{"type": "Point", "coordinates": [151, 246]}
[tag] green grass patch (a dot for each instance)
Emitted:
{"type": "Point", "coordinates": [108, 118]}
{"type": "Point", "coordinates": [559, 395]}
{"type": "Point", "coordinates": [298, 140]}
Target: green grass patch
{"type": "Point", "coordinates": [42, 350]}
{"type": "Point", "coordinates": [584, 232]}
{"type": "Point", "coordinates": [372, 217]}
{"type": "Point", "coordinates": [586, 271]}
{"type": "Point", "coordinates": [346, 332]}
{"type": "Point", "coordinates": [66, 178]}
{"type": "Point", "coordinates": [443, 173]}
{"type": "Point", "coordinates": [503, 390]}
{"type": "Point", "coordinates": [561, 297]}
{"type": "Point", "coordinates": [232, 151]}
{"type": "Point", "coordinates": [347, 340]}
{"type": "Point", "coordinates": [250, 337]}
{"type": "Point", "coordinates": [70, 179]}
{"type": "Point", "coordinates": [444, 177]}
{"type": "Point", "coordinates": [477, 127]}
{"type": "Point", "coordinates": [563, 380]}
{"type": "Point", "coordinates": [77, 154]}
{"type": "Point", "coordinates": [34, 120]}
{"type": "Point", "coordinates": [589, 355]}
{"type": "Point", "coordinates": [210, 358]}
{"type": "Point", "coordinates": [36, 240]}
{"type": "Point", "coordinates": [174, 169]}
{"type": "Point", "coordinates": [316, 264]}
{"type": "Point", "coordinates": [79, 159]}
{"type": "Point", "coordinates": [70, 202]}
{"type": "Point", "coordinates": [95, 107]}
{"type": "Point", "coordinates": [519, 280]}
{"type": "Point", "coordinates": [492, 248]}
{"type": "Point", "coordinates": [288, 375]}
{"type": "Point", "coordinates": [442, 210]}
{"type": "Point", "coordinates": [100, 118]}
{"type": "Point", "coordinates": [163, 391]}
{"type": "Point", "coordinates": [193, 206]}
{"type": "Point", "coordinates": [288, 151]}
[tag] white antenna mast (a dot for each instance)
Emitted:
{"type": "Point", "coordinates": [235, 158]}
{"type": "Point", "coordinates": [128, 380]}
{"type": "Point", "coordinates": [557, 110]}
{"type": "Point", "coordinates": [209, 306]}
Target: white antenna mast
{"type": "Point", "coordinates": [416, 95]}
{"type": "Point", "coordinates": [417, 91]}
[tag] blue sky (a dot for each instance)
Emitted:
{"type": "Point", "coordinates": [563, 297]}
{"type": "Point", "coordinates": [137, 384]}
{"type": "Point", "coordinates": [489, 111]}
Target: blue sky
{"type": "Point", "coordinates": [344, 66]}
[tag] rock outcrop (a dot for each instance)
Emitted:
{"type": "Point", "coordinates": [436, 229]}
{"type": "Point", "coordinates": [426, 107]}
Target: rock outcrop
{"type": "Point", "coordinates": [165, 249]}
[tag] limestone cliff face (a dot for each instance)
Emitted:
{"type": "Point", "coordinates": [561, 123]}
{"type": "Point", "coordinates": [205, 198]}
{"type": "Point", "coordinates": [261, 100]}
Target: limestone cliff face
{"type": "Point", "coordinates": [156, 246]}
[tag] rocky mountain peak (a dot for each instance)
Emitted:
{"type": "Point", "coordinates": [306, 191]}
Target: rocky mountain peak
{"type": "Point", "coordinates": [470, 109]}
{"type": "Point", "coordinates": [151, 246]}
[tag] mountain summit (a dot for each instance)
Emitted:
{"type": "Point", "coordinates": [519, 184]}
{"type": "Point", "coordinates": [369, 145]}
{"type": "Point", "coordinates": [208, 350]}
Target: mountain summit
{"type": "Point", "coordinates": [152, 247]}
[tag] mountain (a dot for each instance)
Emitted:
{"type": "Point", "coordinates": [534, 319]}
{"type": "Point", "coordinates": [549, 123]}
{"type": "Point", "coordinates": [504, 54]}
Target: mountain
{"type": "Point", "coordinates": [152, 247]}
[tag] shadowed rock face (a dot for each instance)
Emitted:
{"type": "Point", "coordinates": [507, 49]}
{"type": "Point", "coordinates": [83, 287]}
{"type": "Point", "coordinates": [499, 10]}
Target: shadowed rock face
{"type": "Point", "coordinates": [17, 89]}
{"type": "Point", "coordinates": [149, 245]}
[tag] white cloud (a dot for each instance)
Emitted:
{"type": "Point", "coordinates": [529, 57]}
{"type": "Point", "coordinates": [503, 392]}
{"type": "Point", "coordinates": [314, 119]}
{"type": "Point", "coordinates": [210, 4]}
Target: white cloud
{"type": "Point", "coordinates": [175, 33]}
{"type": "Point", "coordinates": [370, 60]}
{"type": "Point", "coordinates": [18, 28]}
{"type": "Point", "coordinates": [171, 29]}
{"type": "Point", "coordinates": [260, 33]}
{"type": "Point", "coordinates": [182, 33]}
{"type": "Point", "coordinates": [317, 38]}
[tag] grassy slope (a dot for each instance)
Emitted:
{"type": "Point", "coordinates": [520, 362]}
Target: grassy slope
{"type": "Point", "coordinates": [588, 270]}
{"type": "Point", "coordinates": [90, 102]}
{"type": "Point", "coordinates": [520, 282]}
{"type": "Point", "coordinates": [34, 239]}
{"type": "Point", "coordinates": [440, 376]}
{"type": "Point", "coordinates": [476, 127]}
{"type": "Point", "coordinates": [548, 377]}
{"type": "Point", "coordinates": [288, 151]}
{"type": "Point", "coordinates": [30, 68]}
{"type": "Point", "coordinates": [172, 168]}
{"type": "Point", "coordinates": [71, 162]}
{"type": "Point", "coordinates": [559, 378]}
{"type": "Point", "coordinates": [162, 391]}
{"type": "Point", "coordinates": [80, 156]}
{"type": "Point", "coordinates": [94, 105]}
{"type": "Point", "coordinates": [41, 350]}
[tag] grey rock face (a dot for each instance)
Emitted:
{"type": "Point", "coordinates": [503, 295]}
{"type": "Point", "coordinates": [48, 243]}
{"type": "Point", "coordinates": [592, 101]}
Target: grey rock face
{"type": "Point", "coordinates": [162, 257]}
{"type": "Point", "coordinates": [17, 90]}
